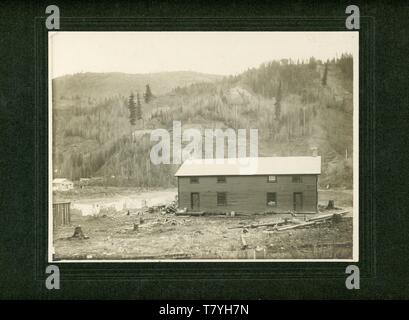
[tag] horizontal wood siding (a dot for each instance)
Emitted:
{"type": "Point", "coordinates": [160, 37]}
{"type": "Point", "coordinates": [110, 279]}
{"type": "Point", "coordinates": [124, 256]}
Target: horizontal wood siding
{"type": "Point", "coordinates": [249, 193]}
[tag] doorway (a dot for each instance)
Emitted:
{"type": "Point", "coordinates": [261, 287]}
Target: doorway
{"type": "Point", "coordinates": [297, 200]}
{"type": "Point", "coordinates": [195, 200]}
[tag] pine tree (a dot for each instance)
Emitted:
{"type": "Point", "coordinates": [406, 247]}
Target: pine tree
{"type": "Point", "coordinates": [324, 77]}
{"type": "Point", "coordinates": [138, 112]}
{"type": "Point", "coordinates": [132, 109]}
{"type": "Point", "coordinates": [148, 96]}
{"type": "Point", "coordinates": [278, 102]}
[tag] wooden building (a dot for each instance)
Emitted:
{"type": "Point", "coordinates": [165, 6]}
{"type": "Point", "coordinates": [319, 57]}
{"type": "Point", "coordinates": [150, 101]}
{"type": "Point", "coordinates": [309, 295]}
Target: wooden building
{"type": "Point", "coordinates": [62, 184]}
{"type": "Point", "coordinates": [250, 185]}
{"type": "Point", "coordinates": [61, 213]}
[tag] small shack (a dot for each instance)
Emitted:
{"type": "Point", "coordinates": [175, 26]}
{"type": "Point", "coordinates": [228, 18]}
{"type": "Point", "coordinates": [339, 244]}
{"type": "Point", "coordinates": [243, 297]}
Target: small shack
{"type": "Point", "coordinates": [62, 184]}
{"type": "Point", "coordinates": [61, 213]}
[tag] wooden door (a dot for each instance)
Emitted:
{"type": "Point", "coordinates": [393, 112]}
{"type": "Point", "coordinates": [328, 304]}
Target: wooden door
{"type": "Point", "coordinates": [297, 201]}
{"type": "Point", "coordinates": [195, 200]}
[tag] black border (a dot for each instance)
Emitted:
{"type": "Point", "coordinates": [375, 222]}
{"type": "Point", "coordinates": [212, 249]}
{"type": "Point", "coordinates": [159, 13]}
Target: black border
{"type": "Point", "coordinates": [205, 271]}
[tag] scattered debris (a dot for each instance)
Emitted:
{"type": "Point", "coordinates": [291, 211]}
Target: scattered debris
{"type": "Point", "coordinates": [336, 217]}
{"type": "Point", "coordinates": [181, 211]}
{"type": "Point", "coordinates": [170, 208]}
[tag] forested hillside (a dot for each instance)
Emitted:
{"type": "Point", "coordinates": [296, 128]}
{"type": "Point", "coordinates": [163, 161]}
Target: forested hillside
{"type": "Point", "coordinates": [90, 88]}
{"type": "Point", "coordinates": [295, 105]}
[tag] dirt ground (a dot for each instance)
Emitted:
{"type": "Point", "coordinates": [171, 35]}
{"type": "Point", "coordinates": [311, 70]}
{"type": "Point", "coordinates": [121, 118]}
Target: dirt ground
{"type": "Point", "coordinates": [111, 235]}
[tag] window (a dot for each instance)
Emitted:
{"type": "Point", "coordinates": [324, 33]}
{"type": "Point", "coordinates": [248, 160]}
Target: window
{"type": "Point", "coordinates": [221, 179]}
{"type": "Point", "coordinates": [194, 180]}
{"type": "Point", "coordinates": [296, 179]}
{"type": "Point", "coordinates": [272, 179]}
{"type": "Point", "coordinates": [271, 199]}
{"type": "Point", "coordinates": [221, 198]}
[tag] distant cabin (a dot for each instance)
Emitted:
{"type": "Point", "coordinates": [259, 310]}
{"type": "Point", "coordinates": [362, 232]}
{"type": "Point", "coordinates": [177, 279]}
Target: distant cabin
{"type": "Point", "coordinates": [250, 185]}
{"type": "Point", "coordinates": [62, 184]}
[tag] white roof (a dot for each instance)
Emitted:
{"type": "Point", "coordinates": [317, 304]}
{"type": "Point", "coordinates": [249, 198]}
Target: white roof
{"type": "Point", "coordinates": [61, 180]}
{"type": "Point", "coordinates": [250, 166]}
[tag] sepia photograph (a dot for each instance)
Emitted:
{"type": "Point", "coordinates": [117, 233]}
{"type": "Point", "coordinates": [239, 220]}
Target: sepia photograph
{"type": "Point", "coordinates": [203, 146]}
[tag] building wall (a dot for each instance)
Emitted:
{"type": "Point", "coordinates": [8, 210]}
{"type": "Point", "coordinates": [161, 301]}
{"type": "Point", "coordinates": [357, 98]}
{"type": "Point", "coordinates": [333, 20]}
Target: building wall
{"type": "Point", "coordinates": [249, 193]}
{"type": "Point", "coordinates": [61, 213]}
{"type": "Point", "coordinates": [63, 186]}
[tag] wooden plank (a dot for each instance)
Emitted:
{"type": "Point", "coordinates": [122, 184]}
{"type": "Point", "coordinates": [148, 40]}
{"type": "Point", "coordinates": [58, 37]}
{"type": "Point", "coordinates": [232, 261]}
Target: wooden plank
{"type": "Point", "coordinates": [295, 226]}
{"type": "Point", "coordinates": [328, 216]}
{"type": "Point", "coordinates": [278, 223]}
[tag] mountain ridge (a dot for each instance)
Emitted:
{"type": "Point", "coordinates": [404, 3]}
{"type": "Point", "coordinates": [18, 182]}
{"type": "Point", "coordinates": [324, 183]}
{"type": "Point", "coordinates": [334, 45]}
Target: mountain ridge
{"type": "Point", "coordinates": [97, 85]}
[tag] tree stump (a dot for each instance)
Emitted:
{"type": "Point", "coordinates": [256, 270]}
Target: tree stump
{"type": "Point", "coordinates": [330, 204]}
{"type": "Point", "coordinates": [78, 233]}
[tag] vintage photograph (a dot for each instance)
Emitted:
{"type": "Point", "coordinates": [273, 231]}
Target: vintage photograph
{"type": "Point", "coordinates": [203, 146]}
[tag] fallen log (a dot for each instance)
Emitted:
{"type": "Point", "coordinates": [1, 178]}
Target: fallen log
{"type": "Point", "coordinates": [277, 223]}
{"type": "Point", "coordinates": [190, 213]}
{"type": "Point", "coordinates": [328, 216]}
{"type": "Point", "coordinates": [295, 226]}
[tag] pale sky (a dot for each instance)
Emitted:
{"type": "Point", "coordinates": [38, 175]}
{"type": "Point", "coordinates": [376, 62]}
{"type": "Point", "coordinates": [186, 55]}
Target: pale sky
{"type": "Point", "coordinates": [221, 53]}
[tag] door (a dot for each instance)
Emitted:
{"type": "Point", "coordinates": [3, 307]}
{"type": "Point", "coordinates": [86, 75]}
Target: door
{"type": "Point", "coordinates": [195, 200]}
{"type": "Point", "coordinates": [297, 201]}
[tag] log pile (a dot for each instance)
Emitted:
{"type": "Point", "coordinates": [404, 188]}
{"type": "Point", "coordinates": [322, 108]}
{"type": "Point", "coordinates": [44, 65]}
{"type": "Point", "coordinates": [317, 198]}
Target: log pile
{"type": "Point", "coordinates": [294, 223]}
{"type": "Point", "coordinates": [170, 208]}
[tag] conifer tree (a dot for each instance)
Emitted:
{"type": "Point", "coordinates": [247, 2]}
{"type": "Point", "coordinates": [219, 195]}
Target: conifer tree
{"type": "Point", "coordinates": [148, 96]}
{"type": "Point", "coordinates": [132, 109]}
{"type": "Point", "coordinates": [138, 112]}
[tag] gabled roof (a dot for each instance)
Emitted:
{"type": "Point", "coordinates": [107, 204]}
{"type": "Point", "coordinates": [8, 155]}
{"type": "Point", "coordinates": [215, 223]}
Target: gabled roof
{"type": "Point", "coordinates": [250, 166]}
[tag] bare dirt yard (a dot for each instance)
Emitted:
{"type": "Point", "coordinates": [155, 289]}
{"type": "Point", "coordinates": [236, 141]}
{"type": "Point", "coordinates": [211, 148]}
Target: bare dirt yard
{"type": "Point", "coordinates": [119, 232]}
